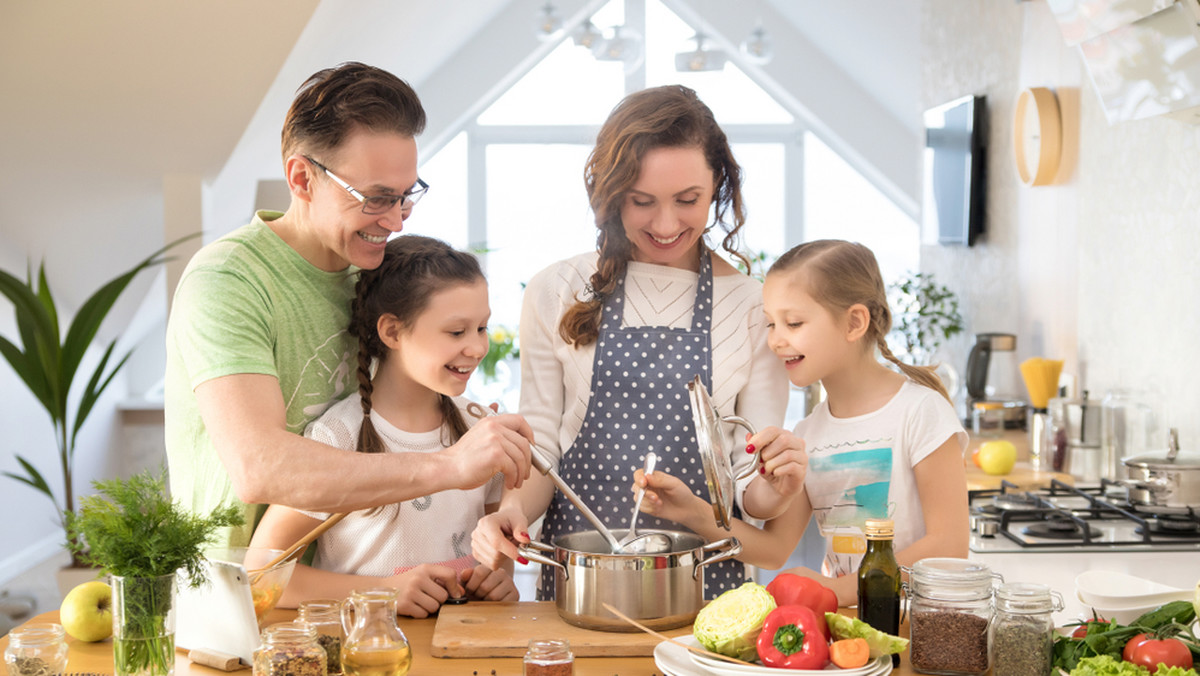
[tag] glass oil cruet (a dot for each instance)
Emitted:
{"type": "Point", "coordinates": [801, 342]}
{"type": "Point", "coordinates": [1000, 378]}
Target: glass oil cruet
{"type": "Point", "coordinates": [375, 645]}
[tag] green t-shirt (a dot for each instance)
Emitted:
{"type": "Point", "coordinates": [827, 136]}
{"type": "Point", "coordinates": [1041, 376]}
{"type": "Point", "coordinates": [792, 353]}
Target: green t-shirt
{"type": "Point", "coordinates": [249, 303]}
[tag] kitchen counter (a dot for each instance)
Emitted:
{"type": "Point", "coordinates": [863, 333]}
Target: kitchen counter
{"type": "Point", "coordinates": [97, 657]}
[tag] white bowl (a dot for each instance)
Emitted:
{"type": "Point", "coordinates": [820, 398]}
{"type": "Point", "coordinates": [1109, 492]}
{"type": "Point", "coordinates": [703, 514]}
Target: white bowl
{"type": "Point", "coordinates": [1122, 615]}
{"type": "Point", "coordinates": [1112, 590]}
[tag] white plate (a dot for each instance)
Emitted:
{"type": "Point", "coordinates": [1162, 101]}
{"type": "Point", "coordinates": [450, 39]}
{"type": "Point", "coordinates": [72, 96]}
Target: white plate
{"type": "Point", "coordinates": [683, 662]}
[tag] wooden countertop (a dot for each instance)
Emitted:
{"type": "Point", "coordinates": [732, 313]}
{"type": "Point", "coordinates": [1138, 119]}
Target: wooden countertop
{"type": "Point", "coordinates": [1024, 474]}
{"type": "Point", "coordinates": [97, 657]}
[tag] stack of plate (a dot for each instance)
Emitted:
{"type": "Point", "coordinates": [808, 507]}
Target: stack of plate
{"type": "Point", "coordinates": [1121, 597]}
{"type": "Point", "coordinates": [674, 660]}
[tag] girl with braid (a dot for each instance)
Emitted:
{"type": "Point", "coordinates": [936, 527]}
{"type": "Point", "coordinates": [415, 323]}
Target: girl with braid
{"type": "Point", "coordinates": [420, 319]}
{"type": "Point", "coordinates": [885, 442]}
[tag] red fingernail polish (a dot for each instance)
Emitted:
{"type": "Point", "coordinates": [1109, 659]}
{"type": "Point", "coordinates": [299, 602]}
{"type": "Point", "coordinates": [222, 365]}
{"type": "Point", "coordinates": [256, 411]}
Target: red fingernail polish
{"type": "Point", "coordinates": [749, 448]}
{"type": "Point", "coordinates": [762, 470]}
{"type": "Point", "coordinates": [522, 560]}
{"type": "Point", "coordinates": [525, 535]}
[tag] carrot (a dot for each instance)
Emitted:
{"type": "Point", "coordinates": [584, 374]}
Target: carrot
{"type": "Point", "coordinates": [849, 653]}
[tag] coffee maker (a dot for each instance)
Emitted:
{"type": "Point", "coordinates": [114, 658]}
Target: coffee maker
{"type": "Point", "coordinates": [993, 376]}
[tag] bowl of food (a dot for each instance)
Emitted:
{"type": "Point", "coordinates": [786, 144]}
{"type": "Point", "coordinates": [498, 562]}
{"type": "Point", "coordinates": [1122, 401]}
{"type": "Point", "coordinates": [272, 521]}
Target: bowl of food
{"type": "Point", "coordinates": [266, 581]}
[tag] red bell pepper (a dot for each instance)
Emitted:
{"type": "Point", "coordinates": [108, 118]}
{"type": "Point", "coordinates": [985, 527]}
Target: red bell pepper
{"type": "Point", "coordinates": [791, 638]}
{"type": "Point", "coordinates": [789, 589]}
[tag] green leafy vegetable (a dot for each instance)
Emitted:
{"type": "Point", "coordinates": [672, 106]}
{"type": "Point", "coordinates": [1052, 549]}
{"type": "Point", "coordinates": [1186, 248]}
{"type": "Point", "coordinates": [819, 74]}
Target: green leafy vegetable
{"type": "Point", "coordinates": [730, 624]}
{"type": "Point", "coordinates": [1174, 671]}
{"type": "Point", "coordinates": [1106, 665]}
{"type": "Point", "coordinates": [1110, 639]}
{"type": "Point", "coordinates": [880, 643]}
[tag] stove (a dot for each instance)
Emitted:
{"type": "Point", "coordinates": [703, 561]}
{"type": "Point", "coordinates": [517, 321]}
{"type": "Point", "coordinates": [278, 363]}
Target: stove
{"type": "Point", "coordinates": [1052, 534]}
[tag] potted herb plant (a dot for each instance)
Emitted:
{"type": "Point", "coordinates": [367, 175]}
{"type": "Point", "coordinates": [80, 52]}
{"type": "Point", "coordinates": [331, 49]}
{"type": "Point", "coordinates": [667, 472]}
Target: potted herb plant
{"type": "Point", "coordinates": [144, 540]}
{"type": "Point", "coordinates": [924, 315]}
{"type": "Point", "coordinates": [48, 363]}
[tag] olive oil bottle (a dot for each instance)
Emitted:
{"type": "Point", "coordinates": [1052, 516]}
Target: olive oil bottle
{"type": "Point", "coordinates": [879, 581]}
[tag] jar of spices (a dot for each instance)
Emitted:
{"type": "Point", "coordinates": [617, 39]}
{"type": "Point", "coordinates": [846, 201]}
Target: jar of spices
{"type": "Point", "coordinates": [289, 649]}
{"type": "Point", "coordinates": [950, 606]}
{"type": "Point", "coordinates": [36, 650]}
{"type": "Point", "coordinates": [1022, 632]}
{"type": "Point", "coordinates": [549, 657]}
{"type": "Point", "coordinates": [325, 615]}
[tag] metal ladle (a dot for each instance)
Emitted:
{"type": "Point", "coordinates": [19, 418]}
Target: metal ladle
{"type": "Point", "coordinates": [651, 542]}
{"type": "Point", "coordinates": [541, 465]}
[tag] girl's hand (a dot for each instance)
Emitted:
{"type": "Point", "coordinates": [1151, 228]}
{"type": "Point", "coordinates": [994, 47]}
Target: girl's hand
{"type": "Point", "coordinates": [495, 536]}
{"type": "Point", "coordinates": [667, 497]}
{"type": "Point", "coordinates": [420, 591]}
{"type": "Point", "coordinates": [783, 462]}
{"type": "Point", "coordinates": [485, 584]}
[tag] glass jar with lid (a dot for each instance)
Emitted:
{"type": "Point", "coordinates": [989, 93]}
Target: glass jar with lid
{"type": "Point", "coordinates": [289, 649]}
{"type": "Point", "coordinates": [950, 606]}
{"type": "Point", "coordinates": [1022, 632]}
{"type": "Point", "coordinates": [36, 650]}
{"type": "Point", "coordinates": [325, 615]}
{"type": "Point", "coordinates": [549, 657]}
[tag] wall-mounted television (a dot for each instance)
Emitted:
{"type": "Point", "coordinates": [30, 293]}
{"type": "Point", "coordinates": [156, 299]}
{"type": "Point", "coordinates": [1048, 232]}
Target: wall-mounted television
{"type": "Point", "coordinates": [955, 177]}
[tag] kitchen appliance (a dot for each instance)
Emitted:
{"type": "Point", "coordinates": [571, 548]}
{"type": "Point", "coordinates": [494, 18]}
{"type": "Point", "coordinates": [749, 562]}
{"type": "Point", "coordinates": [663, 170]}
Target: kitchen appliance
{"type": "Point", "coordinates": [1168, 481]}
{"type": "Point", "coordinates": [992, 375]}
{"type": "Point", "coordinates": [662, 591]}
{"type": "Point", "coordinates": [1051, 535]}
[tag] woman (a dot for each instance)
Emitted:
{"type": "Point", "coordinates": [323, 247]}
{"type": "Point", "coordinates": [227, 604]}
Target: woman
{"type": "Point", "coordinates": [610, 338]}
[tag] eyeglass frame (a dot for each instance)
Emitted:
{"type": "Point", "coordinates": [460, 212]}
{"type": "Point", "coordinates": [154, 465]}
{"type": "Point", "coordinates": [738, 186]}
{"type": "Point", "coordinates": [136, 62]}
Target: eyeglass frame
{"type": "Point", "coordinates": [407, 200]}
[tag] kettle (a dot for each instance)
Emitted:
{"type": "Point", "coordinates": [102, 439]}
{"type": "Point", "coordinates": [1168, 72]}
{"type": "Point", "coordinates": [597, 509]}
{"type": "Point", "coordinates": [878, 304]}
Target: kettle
{"type": "Point", "coordinates": [992, 368]}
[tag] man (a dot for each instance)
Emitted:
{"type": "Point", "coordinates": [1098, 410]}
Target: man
{"type": "Point", "coordinates": [257, 341]}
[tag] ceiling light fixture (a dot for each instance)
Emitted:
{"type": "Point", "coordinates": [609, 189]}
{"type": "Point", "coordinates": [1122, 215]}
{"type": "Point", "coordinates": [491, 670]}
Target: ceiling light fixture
{"type": "Point", "coordinates": [757, 47]}
{"type": "Point", "coordinates": [624, 44]}
{"type": "Point", "coordinates": [549, 23]}
{"type": "Point", "coordinates": [587, 35]}
{"type": "Point", "coordinates": [700, 59]}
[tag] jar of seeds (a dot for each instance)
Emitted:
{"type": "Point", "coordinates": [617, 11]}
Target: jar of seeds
{"type": "Point", "coordinates": [36, 650]}
{"type": "Point", "coordinates": [289, 649]}
{"type": "Point", "coordinates": [1022, 632]}
{"type": "Point", "coordinates": [950, 606]}
{"type": "Point", "coordinates": [325, 615]}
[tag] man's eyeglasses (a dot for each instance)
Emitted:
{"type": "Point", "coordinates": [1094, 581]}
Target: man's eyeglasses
{"type": "Point", "coordinates": [378, 204]}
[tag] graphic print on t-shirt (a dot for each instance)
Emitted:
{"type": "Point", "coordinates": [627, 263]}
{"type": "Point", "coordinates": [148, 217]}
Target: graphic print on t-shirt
{"type": "Point", "coordinates": [854, 487]}
{"type": "Point", "coordinates": [324, 380]}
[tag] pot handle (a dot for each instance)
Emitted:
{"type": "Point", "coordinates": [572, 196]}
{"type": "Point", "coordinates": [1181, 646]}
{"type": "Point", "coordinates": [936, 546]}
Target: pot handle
{"type": "Point", "coordinates": [1158, 485]}
{"type": "Point", "coordinates": [534, 551]}
{"type": "Point", "coordinates": [731, 546]}
{"type": "Point", "coordinates": [738, 420]}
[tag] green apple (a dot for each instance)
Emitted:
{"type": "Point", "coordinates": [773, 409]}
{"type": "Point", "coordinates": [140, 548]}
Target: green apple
{"type": "Point", "coordinates": [997, 457]}
{"type": "Point", "coordinates": [86, 612]}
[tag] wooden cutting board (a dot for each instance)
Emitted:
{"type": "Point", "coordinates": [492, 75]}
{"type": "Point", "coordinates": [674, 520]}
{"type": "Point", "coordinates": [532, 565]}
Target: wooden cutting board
{"type": "Point", "coordinates": [1025, 477]}
{"type": "Point", "coordinates": [488, 629]}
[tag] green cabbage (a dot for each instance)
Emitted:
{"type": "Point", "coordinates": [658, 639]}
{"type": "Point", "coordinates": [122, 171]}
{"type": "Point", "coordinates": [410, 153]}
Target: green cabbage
{"type": "Point", "coordinates": [1106, 665]}
{"type": "Point", "coordinates": [1164, 670]}
{"type": "Point", "coordinates": [880, 643]}
{"type": "Point", "coordinates": [730, 623]}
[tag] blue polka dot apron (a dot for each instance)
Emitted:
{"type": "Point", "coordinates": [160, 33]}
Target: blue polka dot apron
{"type": "Point", "coordinates": [639, 403]}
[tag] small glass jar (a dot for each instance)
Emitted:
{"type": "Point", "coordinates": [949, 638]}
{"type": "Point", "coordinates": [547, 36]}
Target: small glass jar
{"type": "Point", "coordinates": [325, 615]}
{"type": "Point", "coordinates": [549, 657]}
{"type": "Point", "coordinates": [36, 650]}
{"type": "Point", "coordinates": [289, 649]}
{"type": "Point", "coordinates": [950, 606]}
{"type": "Point", "coordinates": [987, 419]}
{"type": "Point", "coordinates": [1022, 633]}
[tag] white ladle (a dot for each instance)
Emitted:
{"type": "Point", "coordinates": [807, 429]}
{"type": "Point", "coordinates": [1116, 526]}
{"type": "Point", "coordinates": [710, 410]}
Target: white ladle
{"type": "Point", "coordinates": [639, 543]}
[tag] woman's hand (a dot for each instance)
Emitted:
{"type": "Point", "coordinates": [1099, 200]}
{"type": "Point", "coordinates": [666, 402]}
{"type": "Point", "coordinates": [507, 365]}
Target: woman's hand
{"type": "Point", "coordinates": [420, 591]}
{"type": "Point", "coordinates": [493, 542]}
{"type": "Point", "coordinates": [484, 584]}
{"type": "Point", "coordinates": [667, 497]}
{"type": "Point", "coordinates": [783, 465]}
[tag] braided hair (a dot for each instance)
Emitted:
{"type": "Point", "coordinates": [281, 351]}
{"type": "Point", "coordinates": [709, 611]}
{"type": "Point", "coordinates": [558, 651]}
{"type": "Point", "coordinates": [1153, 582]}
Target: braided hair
{"type": "Point", "coordinates": [839, 274]}
{"type": "Point", "coordinates": [413, 269]}
{"type": "Point", "coordinates": [660, 117]}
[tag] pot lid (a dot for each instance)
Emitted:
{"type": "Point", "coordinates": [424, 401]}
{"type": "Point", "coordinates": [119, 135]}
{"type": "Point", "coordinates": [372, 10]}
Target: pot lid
{"type": "Point", "coordinates": [718, 471]}
{"type": "Point", "coordinates": [1171, 459]}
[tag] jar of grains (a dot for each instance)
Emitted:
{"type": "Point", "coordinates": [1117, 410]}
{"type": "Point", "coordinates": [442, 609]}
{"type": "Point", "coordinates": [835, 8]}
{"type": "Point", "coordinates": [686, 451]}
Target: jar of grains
{"type": "Point", "coordinates": [950, 606]}
{"type": "Point", "coordinates": [325, 615]}
{"type": "Point", "coordinates": [549, 657]}
{"type": "Point", "coordinates": [289, 649]}
{"type": "Point", "coordinates": [1022, 632]}
{"type": "Point", "coordinates": [36, 650]}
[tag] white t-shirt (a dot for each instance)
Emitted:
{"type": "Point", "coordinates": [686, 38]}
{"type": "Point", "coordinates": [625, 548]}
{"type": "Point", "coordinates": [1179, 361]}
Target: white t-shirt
{"type": "Point", "coordinates": [862, 467]}
{"type": "Point", "coordinates": [435, 528]}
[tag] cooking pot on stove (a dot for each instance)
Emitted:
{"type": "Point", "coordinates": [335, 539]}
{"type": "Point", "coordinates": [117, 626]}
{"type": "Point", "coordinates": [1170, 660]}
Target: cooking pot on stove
{"type": "Point", "coordinates": [662, 591]}
{"type": "Point", "coordinates": [1170, 479]}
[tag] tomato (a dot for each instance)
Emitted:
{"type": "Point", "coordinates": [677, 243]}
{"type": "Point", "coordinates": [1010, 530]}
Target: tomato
{"type": "Point", "coordinates": [1150, 652]}
{"type": "Point", "coordinates": [1081, 630]}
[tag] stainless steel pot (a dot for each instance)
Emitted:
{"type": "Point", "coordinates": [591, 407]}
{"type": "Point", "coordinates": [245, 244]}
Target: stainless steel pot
{"type": "Point", "coordinates": [1164, 480]}
{"type": "Point", "coordinates": [662, 591]}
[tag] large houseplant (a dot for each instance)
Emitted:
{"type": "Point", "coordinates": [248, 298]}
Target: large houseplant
{"type": "Point", "coordinates": [48, 362]}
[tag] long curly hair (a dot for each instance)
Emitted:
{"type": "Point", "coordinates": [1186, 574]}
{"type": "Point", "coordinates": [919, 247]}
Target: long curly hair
{"type": "Point", "coordinates": [413, 269]}
{"type": "Point", "coordinates": [660, 117]}
{"type": "Point", "coordinates": [839, 274]}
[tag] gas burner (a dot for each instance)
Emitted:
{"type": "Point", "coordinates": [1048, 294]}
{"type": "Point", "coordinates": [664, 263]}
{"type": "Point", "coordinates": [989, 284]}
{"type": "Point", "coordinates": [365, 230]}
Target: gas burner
{"type": "Point", "coordinates": [1171, 525]}
{"type": "Point", "coordinates": [1012, 501]}
{"type": "Point", "coordinates": [1059, 528]}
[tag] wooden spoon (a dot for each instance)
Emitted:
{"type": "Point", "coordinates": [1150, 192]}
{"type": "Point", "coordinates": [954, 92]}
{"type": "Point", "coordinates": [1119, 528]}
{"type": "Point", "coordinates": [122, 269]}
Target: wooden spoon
{"type": "Point", "coordinates": [288, 553]}
{"type": "Point", "coordinates": [668, 639]}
